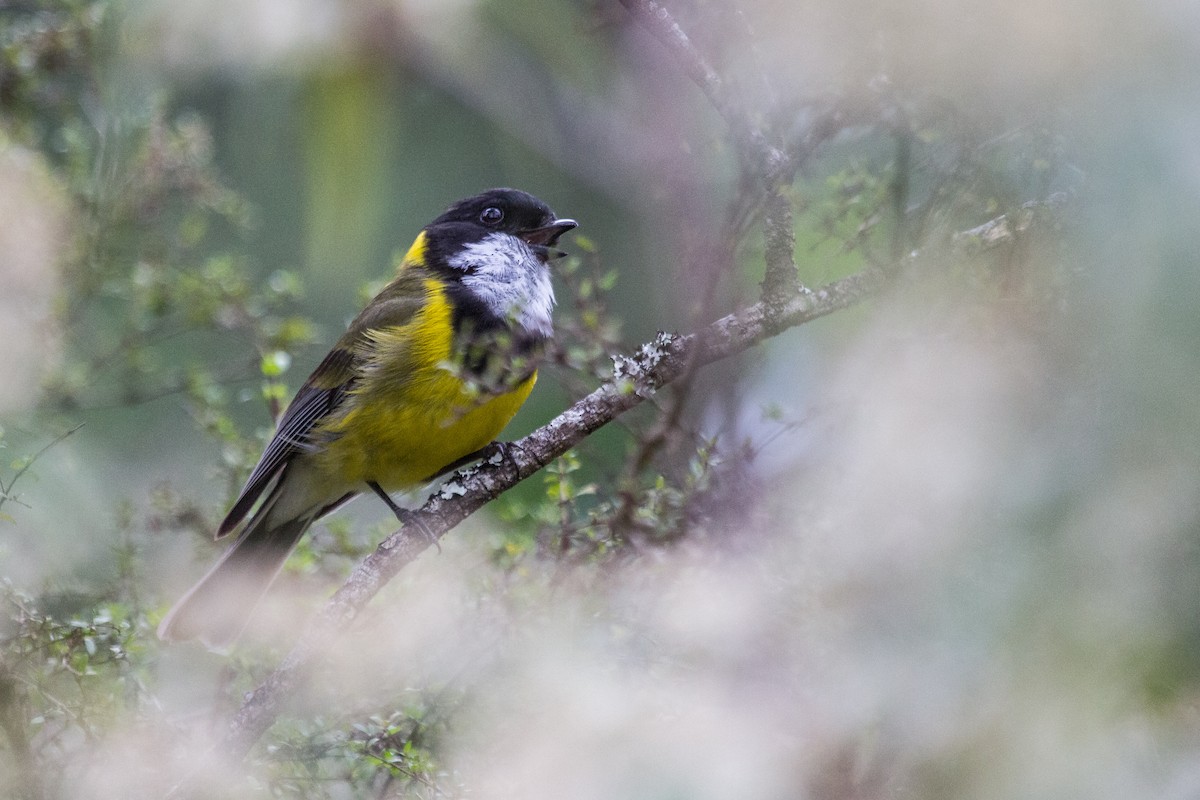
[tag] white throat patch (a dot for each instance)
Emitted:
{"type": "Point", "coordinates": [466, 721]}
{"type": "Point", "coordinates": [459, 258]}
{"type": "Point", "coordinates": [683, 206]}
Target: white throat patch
{"type": "Point", "coordinates": [503, 272]}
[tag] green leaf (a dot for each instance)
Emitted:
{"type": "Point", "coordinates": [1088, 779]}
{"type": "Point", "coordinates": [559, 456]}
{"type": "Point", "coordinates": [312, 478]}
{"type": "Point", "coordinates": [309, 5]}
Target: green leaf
{"type": "Point", "coordinates": [275, 363]}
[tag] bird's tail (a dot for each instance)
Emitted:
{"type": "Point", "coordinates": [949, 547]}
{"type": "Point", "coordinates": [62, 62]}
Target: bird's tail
{"type": "Point", "coordinates": [218, 607]}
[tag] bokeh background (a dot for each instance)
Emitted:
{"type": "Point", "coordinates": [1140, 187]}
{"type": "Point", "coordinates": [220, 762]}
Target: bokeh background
{"type": "Point", "coordinates": [956, 548]}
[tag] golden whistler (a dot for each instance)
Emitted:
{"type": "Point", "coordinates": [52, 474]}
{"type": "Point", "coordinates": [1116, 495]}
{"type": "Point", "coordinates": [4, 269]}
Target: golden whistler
{"type": "Point", "coordinates": [425, 377]}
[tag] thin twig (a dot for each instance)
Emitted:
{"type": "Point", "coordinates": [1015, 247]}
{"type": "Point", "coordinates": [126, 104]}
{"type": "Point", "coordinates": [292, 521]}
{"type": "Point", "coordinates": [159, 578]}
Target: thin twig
{"type": "Point", "coordinates": [767, 161]}
{"type": "Point", "coordinates": [6, 491]}
{"type": "Point", "coordinates": [656, 19]}
{"type": "Point", "coordinates": [763, 161]}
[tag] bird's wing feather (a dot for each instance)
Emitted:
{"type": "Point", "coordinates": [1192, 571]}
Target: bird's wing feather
{"type": "Point", "coordinates": [319, 395]}
{"type": "Point", "coordinates": [325, 389]}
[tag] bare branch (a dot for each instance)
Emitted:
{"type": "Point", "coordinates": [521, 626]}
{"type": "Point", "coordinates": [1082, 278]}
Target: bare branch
{"type": "Point", "coordinates": [1003, 229]}
{"type": "Point", "coordinates": [768, 162]}
{"type": "Point", "coordinates": [779, 234]}
{"type": "Point", "coordinates": [6, 491]}
{"type": "Point", "coordinates": [666, 359]}
{"type": "Point", "coordinates": [637, 377]}
{"type": "Point", "coordinates": [658, 21]}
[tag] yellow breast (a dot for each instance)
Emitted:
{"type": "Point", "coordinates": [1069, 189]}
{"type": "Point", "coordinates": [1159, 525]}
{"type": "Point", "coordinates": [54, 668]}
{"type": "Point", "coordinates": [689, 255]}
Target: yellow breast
{"type": "Point", "coordinates": [411, 414]}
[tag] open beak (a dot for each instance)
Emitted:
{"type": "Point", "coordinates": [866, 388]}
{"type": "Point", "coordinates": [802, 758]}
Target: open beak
{"type": "Point", "coordinates": [544, 238]}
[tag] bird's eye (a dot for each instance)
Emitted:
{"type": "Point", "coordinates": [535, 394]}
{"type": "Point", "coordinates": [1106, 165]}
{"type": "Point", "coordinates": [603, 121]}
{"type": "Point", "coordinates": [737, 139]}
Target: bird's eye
{"type": "Point", "coordinates": [491, 215]}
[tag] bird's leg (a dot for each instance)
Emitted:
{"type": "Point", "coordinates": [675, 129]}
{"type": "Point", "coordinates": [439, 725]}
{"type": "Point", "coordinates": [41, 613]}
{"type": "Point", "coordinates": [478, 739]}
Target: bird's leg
{"type": "Point", "coordinates": [405, 516]}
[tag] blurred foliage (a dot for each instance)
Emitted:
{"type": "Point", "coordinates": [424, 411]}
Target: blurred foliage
{"type": "Point", "coordinates": [50, 56]}
{"type": "Point", "coordinates": [168, 295]}
{"type": "Point", "coordinates": [388, 756]}
{"type": "Point", "coordinates": [147, 304]}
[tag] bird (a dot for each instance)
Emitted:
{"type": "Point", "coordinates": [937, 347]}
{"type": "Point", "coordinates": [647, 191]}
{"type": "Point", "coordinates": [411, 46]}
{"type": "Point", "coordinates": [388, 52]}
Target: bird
{"type": "Point", "coordinates": [423, 380]}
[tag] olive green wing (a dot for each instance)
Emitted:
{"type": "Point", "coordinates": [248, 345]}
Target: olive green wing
{"type": "Point", "coordinates": [325, 389]}
{"type": "Point", "coordinates": [319, 395]}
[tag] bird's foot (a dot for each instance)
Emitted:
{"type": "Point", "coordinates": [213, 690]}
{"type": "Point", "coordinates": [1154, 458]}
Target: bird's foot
{"type": "Point", "coordinates": [405, 516]}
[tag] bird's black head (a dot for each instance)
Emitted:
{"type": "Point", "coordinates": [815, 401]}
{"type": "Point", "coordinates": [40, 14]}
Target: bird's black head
{"type": "Point", "coordinates": [492, 251]}
{"type": "Point", "coordinates": [508, 211]}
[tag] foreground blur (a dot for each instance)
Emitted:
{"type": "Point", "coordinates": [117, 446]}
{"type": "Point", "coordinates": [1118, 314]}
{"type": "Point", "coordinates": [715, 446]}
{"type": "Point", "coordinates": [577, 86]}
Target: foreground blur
{"type": "Point", "coordinates": [974, 569]}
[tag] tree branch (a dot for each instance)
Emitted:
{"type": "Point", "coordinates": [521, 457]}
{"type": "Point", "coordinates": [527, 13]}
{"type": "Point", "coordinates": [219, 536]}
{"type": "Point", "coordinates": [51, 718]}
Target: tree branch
{"type": "Point", "coordinates": [762, 159]}
{"type": "Point", "coordinates": [767, 161]}
{"type": "Point", "coordinates": [669, 357]}
{"type": "Point", "coordinates": [779, 249]}
{"type": "Point", "coordinates": [654, 365]}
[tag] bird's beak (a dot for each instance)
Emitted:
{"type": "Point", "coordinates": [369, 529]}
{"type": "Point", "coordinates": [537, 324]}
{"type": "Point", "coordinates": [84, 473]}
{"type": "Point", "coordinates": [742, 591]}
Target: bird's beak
{"type": "Point", "coordinates": [544, 238]}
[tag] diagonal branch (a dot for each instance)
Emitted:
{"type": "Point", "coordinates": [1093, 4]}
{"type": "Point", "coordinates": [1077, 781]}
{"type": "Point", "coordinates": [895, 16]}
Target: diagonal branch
{"type": "Point", "coordinates": [655, 18]}
{"type": "Point", "coordinates": [766, 160]}
{"type": "Point", "coordinates": [762, 160]}
{"type": "Point", "coordinates": [655, 364]}
{"type": "Point", "coordinates": [668, 358]}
